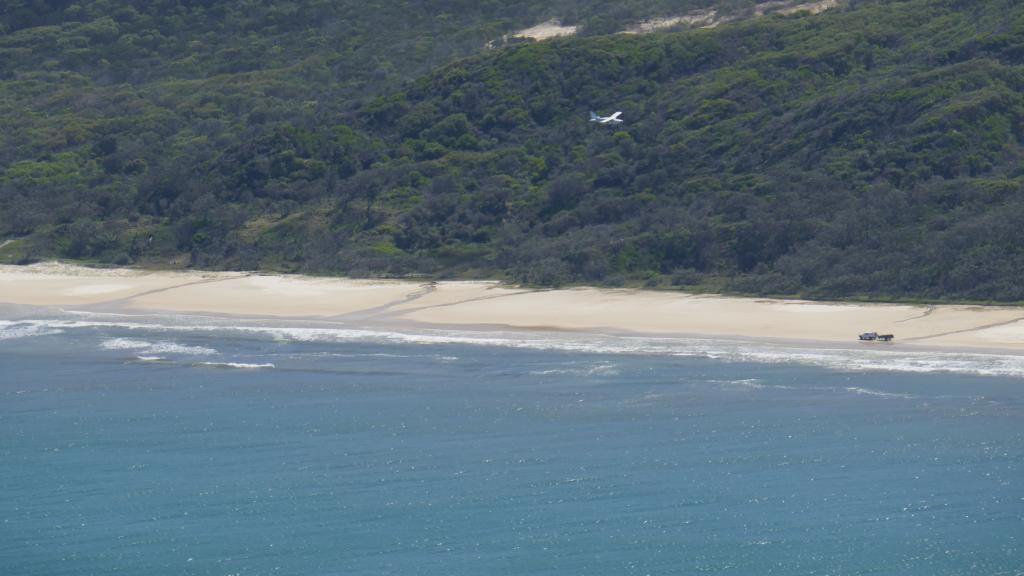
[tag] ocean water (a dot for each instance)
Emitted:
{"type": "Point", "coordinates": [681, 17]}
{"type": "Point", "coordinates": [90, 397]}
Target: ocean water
{"type": "Point", "coordinates": [185, 445]}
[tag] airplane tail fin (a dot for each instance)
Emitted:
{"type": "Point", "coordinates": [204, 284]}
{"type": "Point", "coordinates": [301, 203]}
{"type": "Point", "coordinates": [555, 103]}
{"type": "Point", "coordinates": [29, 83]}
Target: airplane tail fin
{"type": "Point", "coordinates": [593, 117]}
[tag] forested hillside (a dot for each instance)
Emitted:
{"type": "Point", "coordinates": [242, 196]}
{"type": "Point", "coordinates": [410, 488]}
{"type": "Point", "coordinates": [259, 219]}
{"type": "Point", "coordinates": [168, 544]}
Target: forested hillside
{"type": "Point", "coordinates": [873, 150]}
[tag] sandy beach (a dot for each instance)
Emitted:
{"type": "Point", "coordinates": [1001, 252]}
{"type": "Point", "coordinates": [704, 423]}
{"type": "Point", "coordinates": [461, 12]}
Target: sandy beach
{"type": "Point", "coordinates": [490, 304]}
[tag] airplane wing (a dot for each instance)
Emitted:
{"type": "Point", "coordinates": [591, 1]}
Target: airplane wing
{"type": "Point", "coordinates": [613, 119]}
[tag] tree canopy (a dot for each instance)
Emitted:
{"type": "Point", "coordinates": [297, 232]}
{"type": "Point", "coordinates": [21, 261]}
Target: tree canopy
{"type": "Point", "coordinates": [874, 150]}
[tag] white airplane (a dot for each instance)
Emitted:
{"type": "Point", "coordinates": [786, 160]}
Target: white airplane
{"type": "Point", "coordinates": [613, 119]}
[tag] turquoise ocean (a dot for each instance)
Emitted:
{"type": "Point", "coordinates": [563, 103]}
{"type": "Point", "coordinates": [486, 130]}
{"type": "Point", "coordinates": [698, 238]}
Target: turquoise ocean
{"type": "Point", "coordinates": [178, 445]}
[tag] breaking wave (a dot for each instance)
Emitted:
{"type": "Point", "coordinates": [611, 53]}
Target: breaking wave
{"type": "Point", "coordinates": [13, 330]}
{"type": "Point", "coordinates": [154, 348]}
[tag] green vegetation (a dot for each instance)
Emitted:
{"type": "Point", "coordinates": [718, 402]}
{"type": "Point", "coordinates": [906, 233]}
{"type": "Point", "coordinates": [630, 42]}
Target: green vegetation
{"type": "Point", "coordinates": [870, 151]}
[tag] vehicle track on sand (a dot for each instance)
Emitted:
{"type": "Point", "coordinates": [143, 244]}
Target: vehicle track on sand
{"type": "Point", "coordinates": [423, 290]}
{"type": "Point", "coordinates": [476, 299]}
{"type": "Point", "coordinates": [964, 330]}
{"type": "Point", "coordinates": [126, 299]}
{"type": "Point", "coordinates": [928, 312]}
{"type": "Point", "coordinates": [387, 309]}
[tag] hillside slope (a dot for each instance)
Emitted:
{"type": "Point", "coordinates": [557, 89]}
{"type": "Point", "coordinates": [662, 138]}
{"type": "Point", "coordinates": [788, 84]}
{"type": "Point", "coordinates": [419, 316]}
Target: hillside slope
{"type": "Point", "coordinates": [103, 101]}
{"type": "Point", "coordinates": [874, 150]}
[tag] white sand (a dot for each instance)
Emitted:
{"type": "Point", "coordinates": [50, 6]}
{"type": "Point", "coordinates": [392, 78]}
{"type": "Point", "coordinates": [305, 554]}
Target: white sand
{"type": "Point", "coordinates": [697, 18]}
{"type": "Point", "coordinates": [276, 296]}
{"type": "Point", "coordinates": [812, 7]}
{"type": "Point", "coordinates": [789, 7]}
{"type": "Point", "coordinates": [705, 18]}
{"type": "Point", "coordinates": [551, 29]}
{"type": "Point", "coordinates": [473, 304]}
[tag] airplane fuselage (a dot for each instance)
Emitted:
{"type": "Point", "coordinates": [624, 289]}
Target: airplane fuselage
{"type": "Point", "coordinates": [613, 119]}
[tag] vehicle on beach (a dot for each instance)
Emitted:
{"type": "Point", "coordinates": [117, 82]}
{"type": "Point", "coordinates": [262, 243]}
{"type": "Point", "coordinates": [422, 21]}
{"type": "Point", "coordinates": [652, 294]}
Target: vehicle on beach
{"type": "Point", "coordinates": [875, 336]}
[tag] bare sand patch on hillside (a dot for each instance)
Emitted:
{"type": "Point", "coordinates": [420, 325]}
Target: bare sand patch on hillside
{"type": "Point", "coordinates": [551, 29]}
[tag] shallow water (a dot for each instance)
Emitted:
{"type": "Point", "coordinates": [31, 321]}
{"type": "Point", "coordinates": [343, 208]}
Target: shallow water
{"type": "Point", "coordinates": [191, 448]}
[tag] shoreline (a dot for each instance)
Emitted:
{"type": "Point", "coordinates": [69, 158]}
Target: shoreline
{"type": "Point", "coordinates": [489, 305]}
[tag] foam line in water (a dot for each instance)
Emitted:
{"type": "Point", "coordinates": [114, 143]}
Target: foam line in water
{"type": "Point", "coordinates": [241, 365]}
{"type": "Point", "coordinates": [752, 383]}
{"type": "Point", "coordinates": [599, 369]}
{"type": "Point", "coordinates": [879, 393]}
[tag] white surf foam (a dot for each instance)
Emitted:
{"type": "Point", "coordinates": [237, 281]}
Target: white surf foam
{"type": "Point", "coordinates": [13, 330]}
{"type": "Point", "coordinates": [161, 347]}
{"type": "Point", "coordinates": [842, 359]}
{"type": "Point", "coordinates": [175, 348]}
{"type": "Point", "coordinates": [124, 344]}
